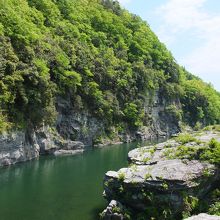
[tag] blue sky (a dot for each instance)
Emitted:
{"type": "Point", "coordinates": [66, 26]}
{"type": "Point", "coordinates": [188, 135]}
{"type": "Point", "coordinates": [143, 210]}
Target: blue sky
{"type": "Point", "coordinates": [189, 28]}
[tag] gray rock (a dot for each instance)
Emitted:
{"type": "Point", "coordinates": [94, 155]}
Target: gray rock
{"type": "Point", "coordinates": [79, 124]}
{"type": "Point", "coordinates": [167, 180]}
{"type": "Point", "coordinates": [114, 211]}
{"type": "Point", "coordinates": [67, 152]}
{"type": "Point", "coordinates": [151, 154]}
{"type": "Point", "coordinates": [74, 145]}
{"type": "Point", "coordinates": [21, 146]}
{"type": "Point", "coordinates": [208, 135]}
{"type": "Point", "coordinates": [204, 217]}
{"type": "Point", "coordinates": [18, 147]}
{"type": "Point", "coordinates": [156, 179]}
{"type": "Point", "coordinates": [51, 142]}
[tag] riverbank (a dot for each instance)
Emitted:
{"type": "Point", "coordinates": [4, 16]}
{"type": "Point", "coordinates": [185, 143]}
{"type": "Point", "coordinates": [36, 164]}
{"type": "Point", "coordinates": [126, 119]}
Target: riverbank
{"type": "Point", "coordinates": [25, 145]}
{"type": "Point", "coordinates": [170, 180]}
{"type": "Point", "coordinates": [60, 188]}
{"type": "Point", "coordinates": [22, 146]}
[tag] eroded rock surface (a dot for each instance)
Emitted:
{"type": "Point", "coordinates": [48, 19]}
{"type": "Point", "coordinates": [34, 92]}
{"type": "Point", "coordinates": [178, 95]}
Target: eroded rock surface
{"type": "Point", "coordinates": [18, 147]}
{"type": "Point", "coordinates": [114, 211]}
{"type": "Point", "coordinates": [163, 151]}
{"type": "Point", "coordinates": [204, 217]}
{"type": "Point", "coordinates": [168, 180]}
{"type": "Point", "coordinates": [151, 154]}
{"type": "Point", "coordinates": [50, 142]}
{"type": "Point", "coordinates": [21, 146]}
{"type": "Point", "coordinates": [160, 179]}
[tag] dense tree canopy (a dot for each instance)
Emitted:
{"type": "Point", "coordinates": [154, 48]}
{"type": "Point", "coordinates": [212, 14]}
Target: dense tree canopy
{"type": "Point", "coordinates": [105, 57]}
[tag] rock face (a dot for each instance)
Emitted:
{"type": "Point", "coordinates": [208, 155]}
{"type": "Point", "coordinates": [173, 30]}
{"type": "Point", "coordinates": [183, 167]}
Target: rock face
{"type": "Point", "coordinates": [114, 211]}
{"type": "Point", "coordinates": [152, 154]}
{"type": "Point", "coordinates": [204, 217]}
{"type": "Point", "coordinates": [167, 181]}
{"type": "Point", "coordinates": [51, 142]}
{"type": "Point", "coordinates": [78, 124]}
{"type": "Point", "coordinates": [156, 180]}
{"type": "Point", "coordinates": [20, 146]}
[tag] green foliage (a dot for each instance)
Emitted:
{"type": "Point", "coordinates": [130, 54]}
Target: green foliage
{"type": "Point", "coordinates": [186, 152]}
{"type": "Point", "coordinates": [1, 29]}
{"type": "Point", "coordinates": [105, 58]}
{"type": "Point", "coordinates": [212, 152]}
{"type": "Point", "coordinates": [174, 112]}
{"type": "Point", "coordinates": [212, 128]}
{"type": "Point", "coordinates": [184, 138]}
{"type": "Point", "coordinates": [207, 152]}
{"type": "Point", "coordinates": [215, 209]}
{"type": "Point", "coordinates": [201, 103]}
{"type": "Point", "coordinates": [133, 115]}
{"type": "Point", "coordinates": [4, 125]}
{"type": "Point", "coordinates": [121, 176]}
{"type": "Point", "coordinates": [190, 204]}
{"type": "Point", "coordinates": [214, 206]}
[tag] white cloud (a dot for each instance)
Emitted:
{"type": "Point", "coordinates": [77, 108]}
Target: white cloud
{"type": "Point", "coordinates": [205, 61]}
{"type": "Point", "coordinates": [191, 18]}
{"type": "Point", "coordinates": [124, 2]}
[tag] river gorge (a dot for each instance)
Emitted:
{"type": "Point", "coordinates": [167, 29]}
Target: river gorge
{"type": "Point", "coordinates": [66, 187]}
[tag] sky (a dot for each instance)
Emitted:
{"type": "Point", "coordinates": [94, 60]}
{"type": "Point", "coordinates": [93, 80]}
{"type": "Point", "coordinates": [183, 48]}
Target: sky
{"type": "Point", "coordinates": [189, 28]}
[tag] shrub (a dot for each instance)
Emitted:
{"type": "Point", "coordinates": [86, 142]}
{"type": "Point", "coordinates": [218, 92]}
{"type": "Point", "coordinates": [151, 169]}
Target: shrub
{"type": "Point", "coordinates": [185, 138]}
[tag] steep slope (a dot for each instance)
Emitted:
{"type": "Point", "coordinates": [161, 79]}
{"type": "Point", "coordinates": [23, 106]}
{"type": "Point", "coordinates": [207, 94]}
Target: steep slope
{"type": "Point", "coordinates": [95, 72]}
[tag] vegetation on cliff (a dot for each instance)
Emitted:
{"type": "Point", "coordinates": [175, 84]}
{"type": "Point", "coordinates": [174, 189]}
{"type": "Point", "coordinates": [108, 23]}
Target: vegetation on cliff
{"type": "Point", "coordinates": [106, 58]}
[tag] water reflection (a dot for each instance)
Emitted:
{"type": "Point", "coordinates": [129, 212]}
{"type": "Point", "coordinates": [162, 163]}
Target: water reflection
{"type": "Point", "coordinates": [61, 188]}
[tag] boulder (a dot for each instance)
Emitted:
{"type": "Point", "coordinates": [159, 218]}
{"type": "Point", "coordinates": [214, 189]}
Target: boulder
{"type": "Point", "coordinates": [204, 217]}
{"type": "Point", "coordinates": [114, 211]}
{"type": "Point", "coordinates": [51, 142]}
{"type": "Point", "coordinates": [164, 179]}
{"type": "Point", "coordinates": [151, 154]}
{"type": "Point", "coordinates": [67, 152]}
{"type": "Point", "coordinates": [18, 146]}
{"type": "Point", "coordinates": [167, 182]}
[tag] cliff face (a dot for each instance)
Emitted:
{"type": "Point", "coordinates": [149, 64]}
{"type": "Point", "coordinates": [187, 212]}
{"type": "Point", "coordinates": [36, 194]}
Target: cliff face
{"type": "Point", "coordinates": [77, 124]}
{"type": "Point", "coordinates": [78, 128]}
{"type": "Point", "coordinates": [83, 126]}
{"type": "Point", "coordinates": [21, 146]}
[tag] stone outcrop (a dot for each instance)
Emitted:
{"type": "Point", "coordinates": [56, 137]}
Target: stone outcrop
{"type": "Point", "coordinates": [21, 146]}
{"type": "Point", "coordinates": [204, 217]}
{"type": "Point", "coordinates": [18, 147]}
{"type": "Point", "coordinates": [51, 142]}
{"type": "Point", "coordinates": [67, 152]}
{"type": "Point", "coordinates": [157, 178]}
{"type": "Point", "coordinates": [168, 181]}
{"type": "Point", "coordinates": [75, 123]}
{"type": "Point", "coordinates": [76, 127]}
{"type": "Point", "coordinates": [152, 154]}
{"type": "Point", "coordinates": [114, 211]}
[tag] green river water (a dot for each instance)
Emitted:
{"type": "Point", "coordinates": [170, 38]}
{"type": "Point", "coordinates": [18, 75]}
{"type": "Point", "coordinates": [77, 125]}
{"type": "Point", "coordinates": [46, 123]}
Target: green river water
{"type": "Point", "coordinates": [62, 188]}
